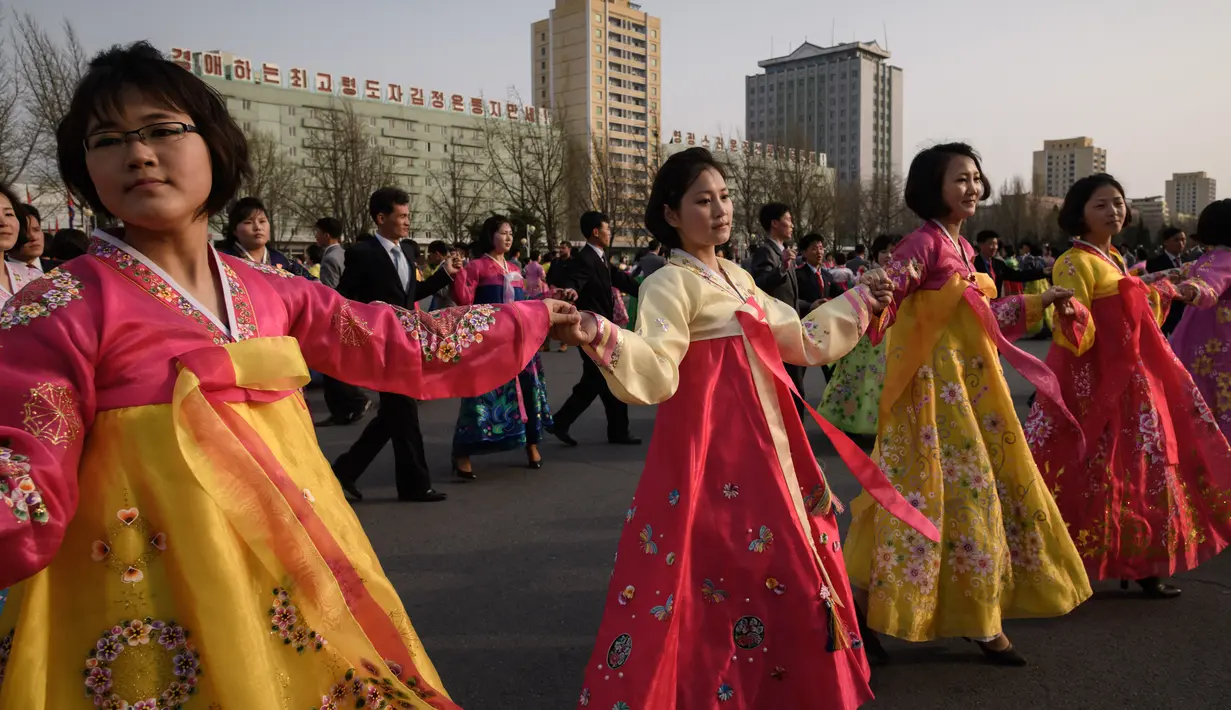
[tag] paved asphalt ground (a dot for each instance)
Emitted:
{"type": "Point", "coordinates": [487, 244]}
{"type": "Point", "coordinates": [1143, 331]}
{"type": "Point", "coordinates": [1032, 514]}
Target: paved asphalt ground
{"type": "Point", "coordinates": [505, 583]}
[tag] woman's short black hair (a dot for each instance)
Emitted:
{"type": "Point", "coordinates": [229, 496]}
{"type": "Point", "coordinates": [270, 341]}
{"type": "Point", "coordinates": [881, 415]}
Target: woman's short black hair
{"type": "Point", "coordinates": [141, 68]}
{"type": "Point", "coordinates": [676, 175]}
{"type": "Point", "coordinates": [926, 180]}
{"type": "Point", "coordinates": [485, 240]}
{"type": "Point", "coordinates": [18, 210]}
{"type": "Point", "coordinates": [243, 208]}
{"type": "Point", "coordinates": [882, 243]}
{"type": "Point", "coordinates": [1072, 217]}
{"type": "Point", "coordinates": [1214, 224]}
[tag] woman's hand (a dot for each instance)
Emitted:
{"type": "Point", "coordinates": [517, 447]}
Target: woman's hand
{"type": "Point", "coordinates": [1188, 292]}
{"type": "Point", "coordinates": [578, 333]}
{"type": "Point", "coordinates": [561, 313]}
{"type": "Point", "coordinates": [879, 286]}
{"type": "Point", "coordinates": [1056, 294]}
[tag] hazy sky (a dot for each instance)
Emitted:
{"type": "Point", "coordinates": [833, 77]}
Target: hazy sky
{"type": "Point", "coordinates": [1149, 80]}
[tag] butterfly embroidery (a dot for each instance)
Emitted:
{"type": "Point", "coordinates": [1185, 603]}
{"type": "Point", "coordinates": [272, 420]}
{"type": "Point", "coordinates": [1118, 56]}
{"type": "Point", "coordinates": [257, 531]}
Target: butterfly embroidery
{"type": "Point", "coordinates": [711, 595]}
{"type": "Point", "coordinates": [761, 544]}
{"type": "Point", "coordinates": [647, 541]}
{"type": "Point", "coordinates": [662, 612]}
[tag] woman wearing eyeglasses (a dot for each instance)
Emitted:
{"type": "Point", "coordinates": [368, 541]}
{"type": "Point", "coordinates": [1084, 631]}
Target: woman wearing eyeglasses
{"type": "Point", "coordinates": [171, 529]}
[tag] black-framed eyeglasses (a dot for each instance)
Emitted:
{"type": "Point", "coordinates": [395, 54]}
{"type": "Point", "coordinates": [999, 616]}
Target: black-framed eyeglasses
{"type": "Point", "coordinates": [153, 134]}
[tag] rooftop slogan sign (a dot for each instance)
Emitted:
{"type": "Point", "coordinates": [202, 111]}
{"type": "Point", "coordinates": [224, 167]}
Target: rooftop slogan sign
{"type": "Point", "coordinates": [230, 68]}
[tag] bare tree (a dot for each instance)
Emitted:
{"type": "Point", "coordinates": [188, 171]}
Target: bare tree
{"type": "Point", "coordinates": [750, 183]}
{"type": "Point", "coordinates": [276, 179]}
{"type": "Point", "coordinates": [340, 169]}
{"type": "Point", "coordinates": [456, 198]}
{"type": "Point", "coordinates": [47, 70]}
{"type": "Point", "coordinates": [528, 170]}
{"type": "Point", "coordinates": [18, 134]}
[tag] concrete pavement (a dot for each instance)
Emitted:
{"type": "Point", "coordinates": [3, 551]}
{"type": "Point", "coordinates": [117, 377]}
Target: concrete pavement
{"type": "Point", "coordinates": [505, 583]}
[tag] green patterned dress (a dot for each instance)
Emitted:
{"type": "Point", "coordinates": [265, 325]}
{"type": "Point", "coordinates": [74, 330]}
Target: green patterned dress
{"type": "Point", "coordinates": [853, 394]}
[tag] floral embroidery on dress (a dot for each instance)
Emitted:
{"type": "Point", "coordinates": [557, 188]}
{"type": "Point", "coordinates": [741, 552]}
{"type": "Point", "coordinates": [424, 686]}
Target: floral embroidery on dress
{"type": "Point", "coordinates": [352, 330]}
{"type": "Point", "coordinates": [285, 622]}
{"type": "Point", "coordinates": [444, 334]}
{"type": "Point", "coordinates": [244, 326]}
{"type": "Point", "coordinates": [184, 664]}
{"type": "Point", "coordinates": [373, 690]}
{"type": "Point", "coordinates": [51, 414]}
{"type": "Point", "coordinates": [129, 524]}
{"type": "Point", "coordinates": [904, 273]}
{"type": "Point", "coordinates": [18, 491]}
{"type": "Point", "coordinates": [39, 298]}
{"type": "Point", "coordinates": [725, 692]}
{"type": "Point", "coordinates": [748, 633]}
{"type": "Point", "coordinates": [619, 651]}
{"type": "Point", "coordinates": [268, 269]}
{"type": "Point", "coordinates": [1008, 311]}
{"type": "Point", "coordinates": [147, 280]}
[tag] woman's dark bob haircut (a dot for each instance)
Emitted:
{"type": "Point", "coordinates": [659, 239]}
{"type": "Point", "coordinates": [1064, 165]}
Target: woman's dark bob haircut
{"type": "Point", "coordinates": [244, 208]}
{"type": "Point", "coordinates": [1214, 224]}
{"type": "Point", "coordinates": [115, 75]}
{"type": "Point", "coordinates": [485, 240]}
{"type": "Point", "coordinates": [925, 183]}
{"type": "Point", "coordinates": [20, 212]}
{"type": "Point", "coordinates": [674, 178]}
{"type": "Point", "coordinates": [1072, 217]}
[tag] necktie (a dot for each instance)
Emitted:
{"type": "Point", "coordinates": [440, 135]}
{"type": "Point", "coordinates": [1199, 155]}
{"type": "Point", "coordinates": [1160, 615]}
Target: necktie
{"type": "Point", "coordinates": [399, 262]}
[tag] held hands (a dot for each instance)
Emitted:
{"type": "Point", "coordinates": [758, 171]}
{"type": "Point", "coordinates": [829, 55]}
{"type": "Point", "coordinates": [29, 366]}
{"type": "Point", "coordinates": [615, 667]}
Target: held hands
{"type": "Point", "coordinates": [562, 314]}
{"type": "Point", "coordinates": [1056, 294]}
{"type": "Point", "coordinates": [452, 263]}
{"type": "Point", "coordinates": [879, 286]}
{"type": "Point", "coordinates": [1188, 292]}
{"type": "Point", "coordinates": [577, 333]}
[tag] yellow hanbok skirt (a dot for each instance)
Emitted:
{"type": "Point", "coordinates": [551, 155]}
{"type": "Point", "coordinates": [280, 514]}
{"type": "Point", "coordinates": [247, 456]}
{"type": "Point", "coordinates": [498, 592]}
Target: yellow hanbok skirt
{"type": "Point", "coordinates": [214, 563]}
{"type": "Point", "coordinates": [950, 440]}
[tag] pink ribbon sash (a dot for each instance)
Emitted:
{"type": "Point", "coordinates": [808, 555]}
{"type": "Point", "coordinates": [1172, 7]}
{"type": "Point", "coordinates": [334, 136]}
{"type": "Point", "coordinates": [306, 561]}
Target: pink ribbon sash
{"type": "Point", "coordinates": [869, 475]}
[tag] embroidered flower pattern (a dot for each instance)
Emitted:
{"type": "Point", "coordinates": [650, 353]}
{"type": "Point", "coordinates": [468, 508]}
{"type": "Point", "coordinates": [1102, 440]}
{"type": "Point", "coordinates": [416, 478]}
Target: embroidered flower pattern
{"type": "Point", "coordinates": [51, 414]}
{"type": "Point", "coordinates": [55, 290]}
{"type": "Point", "coordinates": [1008, 311]}
{"type": "Point", "coordinates": [269, 269]}
{"type": "Point", "coordinates": [374, 691]}
{"type": "Point", "coordinates": [443, 335]}
{"type": "Point", "coordinates": [286, 624]}
{"type": "Point", "coordinates": [18, 491]}
{"type": "Point", "coordinates": [184, 664]}
{"type": "Point", "coordinates": [352, 330]}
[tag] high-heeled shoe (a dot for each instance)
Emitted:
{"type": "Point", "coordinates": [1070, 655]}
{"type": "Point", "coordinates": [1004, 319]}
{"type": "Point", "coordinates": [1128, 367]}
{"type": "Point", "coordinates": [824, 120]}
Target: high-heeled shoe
{"type": "Point", "coordinates": [1007, 656]}
{"type": "Point", "coordinates": [532, 463]}
{"type": "Point", "coordinates": [464, 475]}
{"type": "Point", "coordinates": [872, 648]}
{"type": "Point", "coordinates": [1154, 588]}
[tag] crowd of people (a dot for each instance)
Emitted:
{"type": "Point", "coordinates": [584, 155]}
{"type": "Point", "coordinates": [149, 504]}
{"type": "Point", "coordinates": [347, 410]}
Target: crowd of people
{"type": "Point", "coordinates": [166, 496]}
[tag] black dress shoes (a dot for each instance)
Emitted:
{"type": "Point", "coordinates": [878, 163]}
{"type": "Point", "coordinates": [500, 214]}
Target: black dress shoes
{"type": "Point", "coordinates": [562, 435]}
{"type": "Point", "coordinates": [431, 495]}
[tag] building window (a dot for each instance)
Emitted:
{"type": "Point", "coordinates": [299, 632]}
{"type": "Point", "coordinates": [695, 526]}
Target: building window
{"type": "Point", "coordinates": [598, 34]}
{"type": "Point", "coordinates": [247, 126]}
{"type": "Point", "coordinates": [542, 66]}
{"type": "Point", "coordinates": [247, 105]}
{"type": "Point", "coordinates": [598, 125]}
{"type": "Point", "coordinates": [372, 122]}
{"type": "Point", "coordinates": [598, 17]}
{"type": "Point", "coordinates": [654, 34]}
{"type": "Point", "coordinates": [653, 62]}
{"type": "Point", "coordinates": [290, 110]}
{"type": "Point", "coordinates": [598, 64]}
{"type": "Point", "coordinates": [598, 95]}
{"type": "Point", "coordinates": [293, 151]}
{"type": "Point", "coordinates": [544, 94]}
{"type": "Point", "coordinates": [290, 131]}
{"type": "Point", "coordinates": [654, 76]}
{"type": "Point", "coordinates": [542, 78]}
{"type": "Point", "coordinates": [653, 47]}
{"type": "Point", "coordinates": [598, 48]}
{"type": "Point", "coordinates": [653, 91]}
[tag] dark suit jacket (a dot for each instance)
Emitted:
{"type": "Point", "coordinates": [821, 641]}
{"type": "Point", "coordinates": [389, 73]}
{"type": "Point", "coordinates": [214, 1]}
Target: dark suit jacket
{"type": "Point", "coordinates": [557, 272]}
{"type": "Point", "coordinates": [811, 289]}
{"type": "Point", "coordinates": [371, 276]}
{"type": "Point", "coordinates": [773, 277]}
{"type": "Point", "coordinates": [593, 278]}
{"type": "Point", "coordinates": [1162, 262]}
{"type": "Point", "coordinates": [1002, 272]}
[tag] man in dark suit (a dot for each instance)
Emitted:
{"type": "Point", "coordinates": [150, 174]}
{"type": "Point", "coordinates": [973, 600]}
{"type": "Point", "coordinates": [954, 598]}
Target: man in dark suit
{"type": "Point", "coordinates": [347, 403]}
{"type": "Point", "coordinates": [383, 269]}
{"type": "Point", "coordinates": [815, 288]}
{"type": "Point", "coordinates": [773, 268]}
{"type": "Point", "coordinates": [1172, 257]}
{"type": "Point", "coordinates": [590, 275]}
{"type": "Point", "coordinates": [988, 263]}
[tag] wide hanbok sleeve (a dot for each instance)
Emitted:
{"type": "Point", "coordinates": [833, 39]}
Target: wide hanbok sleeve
{"type": "Point", "coordinates": [466, 281]}
{"type": "Point", "coordinates": [907, 269]}
{"type": "Point", "coordinates": [48, 349]}
{"type": "Point", "coordinates": [1074, 326]}
{"type": "Point", "coordinates": [827, 334]}
{"type": "Point", "coordinates": [645, 369]}
{"type": "Point", "coordinates": [454, 352]}
{"type": "Point", "coordinates": [1210, 278]}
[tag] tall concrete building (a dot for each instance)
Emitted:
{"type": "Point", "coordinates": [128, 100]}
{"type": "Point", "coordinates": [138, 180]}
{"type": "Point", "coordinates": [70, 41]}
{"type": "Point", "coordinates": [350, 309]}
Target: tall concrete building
{"type": "Point", "coordinates": [1152, 212]}
{"type": "Point", "coordinates": [843, 101]}
{"type": "Point", "coordinates": [1189, 193]}
{"type": "Point", "coordinates": [598, 65]}
{"type": "Point", "coordinates": [1063, 162]}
